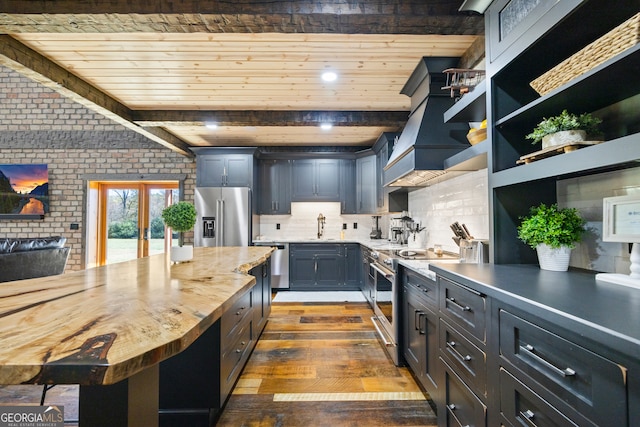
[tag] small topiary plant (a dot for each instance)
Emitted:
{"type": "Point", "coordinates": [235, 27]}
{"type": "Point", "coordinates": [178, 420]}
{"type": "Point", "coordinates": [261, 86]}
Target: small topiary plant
{"type": "Point", "coordinates": [180, 217]}
{"type": "Point", "coordinates": [552, 226]}
{"type": "Point", "coordinates": [565, 121]}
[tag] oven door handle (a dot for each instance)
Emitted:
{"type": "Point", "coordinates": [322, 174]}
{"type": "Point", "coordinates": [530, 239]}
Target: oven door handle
{"type": "Point", "coordinates": [387, 274]}
{"type": "Point", "coordinates": [383, 337]}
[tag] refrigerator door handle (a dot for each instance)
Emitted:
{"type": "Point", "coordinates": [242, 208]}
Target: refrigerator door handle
{"type": "Point", "coordinates": [220, 216]}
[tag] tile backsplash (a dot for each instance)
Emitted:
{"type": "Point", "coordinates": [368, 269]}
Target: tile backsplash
{"type": "Point", "coordinates": [463, 199]}
{"type": "Point", "coordinates": [303, 223]}
{"type": "Point", "coordinates": [586, 194]}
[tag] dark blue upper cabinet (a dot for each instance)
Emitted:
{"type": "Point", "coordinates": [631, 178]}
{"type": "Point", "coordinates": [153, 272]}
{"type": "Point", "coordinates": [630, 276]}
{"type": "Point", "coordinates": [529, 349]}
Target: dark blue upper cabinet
{"type": "Point", "coordinates": [348, 191]}
{"type": "Point", "coordinates": [224, 170]}
{"type": "Point", "coordinates": [366, 185]}
{"type": "Point", "coordinates": [315, 180]}
{"type": "Point", "coordinates": [275, 187]}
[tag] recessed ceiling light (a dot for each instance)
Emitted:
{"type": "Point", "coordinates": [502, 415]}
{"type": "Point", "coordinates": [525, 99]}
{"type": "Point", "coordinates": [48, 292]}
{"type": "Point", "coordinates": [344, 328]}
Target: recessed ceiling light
{"type": "Point", "coordinates": [212, 125]}
{"type": "Point", "coordinates": [329, 76]}
{"type": "Point", "coordinates": [326, 126]}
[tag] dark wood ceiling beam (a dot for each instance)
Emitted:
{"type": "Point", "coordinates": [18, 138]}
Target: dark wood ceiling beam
{"type": "Point", "coordinates": [31, 64]}
{"type": "Point", "coordinates": [270, 118]}
{"type": "Point", "coordinates": [293, 16]}
{"type": "Point", "coordinates": [474, 54]}
{"type": "Point", "coordinates": [343, 7]}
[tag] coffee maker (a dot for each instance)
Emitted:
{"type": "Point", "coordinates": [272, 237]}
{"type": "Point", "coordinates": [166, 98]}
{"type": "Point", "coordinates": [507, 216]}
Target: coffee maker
{"type": "Point", "coordinates": [396, 231]}
{"type": "Point", "coordinates": [399, 228]}
{"type": "Point", "coordinates": [376, 233]}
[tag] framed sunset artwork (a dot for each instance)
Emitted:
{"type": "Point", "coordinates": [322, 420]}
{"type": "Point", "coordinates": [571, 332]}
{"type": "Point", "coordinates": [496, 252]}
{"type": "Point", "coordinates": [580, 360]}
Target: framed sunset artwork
{"type": "Point", "coordinates": [24, 191]}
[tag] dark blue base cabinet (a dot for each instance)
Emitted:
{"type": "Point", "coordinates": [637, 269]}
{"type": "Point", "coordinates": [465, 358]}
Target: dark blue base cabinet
{"type": "Point", "coordinates": [195, 384]}
{"type": "Point", "coordinates": [487, 359]}
{"type": "Point", "coordinates": [324, 267]}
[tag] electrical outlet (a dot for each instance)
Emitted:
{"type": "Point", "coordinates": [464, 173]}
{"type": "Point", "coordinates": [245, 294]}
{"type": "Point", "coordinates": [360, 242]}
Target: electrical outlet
{"type": "Point", "coordinates": [277, 226]}
{"type": "Point", "coordinates": [355, 225]}
{"type": "Point", "coordinates": [344, 226]}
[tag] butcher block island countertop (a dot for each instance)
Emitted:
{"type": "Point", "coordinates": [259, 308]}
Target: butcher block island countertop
{"type": "Point", "coordinates": [106, 324]}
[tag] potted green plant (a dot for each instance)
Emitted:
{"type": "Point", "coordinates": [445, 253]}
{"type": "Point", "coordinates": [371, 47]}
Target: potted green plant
{"type": "Point", "coordinates": [552, 232]}
{"type": "Point", "coordinates": [565, 128]}
{"type": "Point", "coordinates": [180, 217]}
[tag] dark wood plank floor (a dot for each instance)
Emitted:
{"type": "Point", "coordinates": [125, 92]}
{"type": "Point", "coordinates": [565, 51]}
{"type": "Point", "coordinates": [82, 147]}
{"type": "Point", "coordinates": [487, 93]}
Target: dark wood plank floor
{"type": "Point", "coordinates": [320, 364]}
{"type": "Point", "coordinates": [316, 364]}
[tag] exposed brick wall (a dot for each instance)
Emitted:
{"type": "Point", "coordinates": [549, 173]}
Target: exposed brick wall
{"type": "Point", "coordinates": [39, 126]}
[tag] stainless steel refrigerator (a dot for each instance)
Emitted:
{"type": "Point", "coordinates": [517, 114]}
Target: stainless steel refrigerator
{"type": "Point", "coordinates": [224, 217]}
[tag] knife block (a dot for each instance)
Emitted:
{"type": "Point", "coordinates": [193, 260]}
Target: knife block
{"type": "Point", "coordinates": [474, 251]}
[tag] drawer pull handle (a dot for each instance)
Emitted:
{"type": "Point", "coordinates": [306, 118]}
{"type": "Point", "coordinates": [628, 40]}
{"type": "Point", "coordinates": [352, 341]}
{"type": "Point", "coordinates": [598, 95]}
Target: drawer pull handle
{"type": "Point", "coordinates": [458, 305]}
{"type": "Point", "coordinates": [452, 407]}
{"type": "Point", "coordinates": [238, 350]}
{"type": "Point", "coordinates": [452, 346]}
{"type": "Point", "coordinates": [527, 416]}
{"type": "Point", "coordinates": [566, 372]}
{"type": "Point", "coordinates": [417, 314]}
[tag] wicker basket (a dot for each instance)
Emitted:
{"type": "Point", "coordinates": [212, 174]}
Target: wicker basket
{"type": "Point", "coordinates": [611, 44]}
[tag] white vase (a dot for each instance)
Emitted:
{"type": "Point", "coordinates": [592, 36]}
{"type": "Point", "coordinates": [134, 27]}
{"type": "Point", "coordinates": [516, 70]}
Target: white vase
{"type": "Point", "coordinates": [563, 137]}
{"type": "Point", "coordinates": [181, 253]}
{"type": "Point", "coordinates": [553, 259]}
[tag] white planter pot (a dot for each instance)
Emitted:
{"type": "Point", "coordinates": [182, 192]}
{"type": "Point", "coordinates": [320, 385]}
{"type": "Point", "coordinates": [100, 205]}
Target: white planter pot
{"type": "Point", "coordinates": [563, 137]}
{"type": "Point", "coordinates": [553, 259]}
{"type": "Point", "coordinates": [181, 253]}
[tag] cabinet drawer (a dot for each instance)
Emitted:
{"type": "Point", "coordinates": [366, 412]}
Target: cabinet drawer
{"type": "Point", "coordinates": [234, 317]}
{"type": "Point", "coordinates": [464, 307]}
{"type": "Point", "coordinates": [427, 288]}
{"type": "Point", "coordinates": [595, 386]}
{"type": "Point", "coordinates": [521, 406]}
{"type": "Point", "coordinates": [463, 408]}
{"type": "Point", "coordinates": [468, 360]}
{"type": "Point", "coordinates": [234, 358]}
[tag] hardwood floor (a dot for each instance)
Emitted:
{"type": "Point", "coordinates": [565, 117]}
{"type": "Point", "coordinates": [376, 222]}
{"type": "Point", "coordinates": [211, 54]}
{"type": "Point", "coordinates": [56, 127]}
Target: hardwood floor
{"type": "Point", "coordinates": [320, 364]}
{"type": "Point", "coordinates": [316, 364]}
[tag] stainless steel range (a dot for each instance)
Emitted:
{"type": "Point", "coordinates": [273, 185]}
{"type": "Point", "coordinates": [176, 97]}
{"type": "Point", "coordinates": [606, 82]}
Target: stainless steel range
{"type": "Point", "coordinates": [383, 268]}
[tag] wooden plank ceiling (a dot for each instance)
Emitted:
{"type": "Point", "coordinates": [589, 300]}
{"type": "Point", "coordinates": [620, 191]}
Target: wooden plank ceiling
{"type": "Point", "coordinates": [253, 69]}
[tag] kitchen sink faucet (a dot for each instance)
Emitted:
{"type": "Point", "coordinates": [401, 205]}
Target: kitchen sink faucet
{"type": "Point", "coordinates": [321, 221]}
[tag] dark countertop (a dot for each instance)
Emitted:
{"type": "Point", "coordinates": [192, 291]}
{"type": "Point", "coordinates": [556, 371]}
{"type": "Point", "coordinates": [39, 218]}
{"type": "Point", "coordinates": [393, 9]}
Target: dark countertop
{"type": "Point", "coordinates": [604, 313]}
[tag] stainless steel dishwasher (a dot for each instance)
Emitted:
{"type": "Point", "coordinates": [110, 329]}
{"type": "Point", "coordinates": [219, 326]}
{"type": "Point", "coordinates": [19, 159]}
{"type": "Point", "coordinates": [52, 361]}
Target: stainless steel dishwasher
{"type": "Point", "coordinates": [279, 264]}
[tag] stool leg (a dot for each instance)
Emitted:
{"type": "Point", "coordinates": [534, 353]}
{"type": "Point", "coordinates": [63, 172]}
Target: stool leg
{"type": "Point", "coordinates": [45, 388]}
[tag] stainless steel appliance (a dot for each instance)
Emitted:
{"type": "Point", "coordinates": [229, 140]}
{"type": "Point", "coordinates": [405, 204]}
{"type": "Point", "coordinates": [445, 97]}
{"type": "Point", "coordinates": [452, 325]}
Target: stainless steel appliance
{"type": "Point", "coordinates": [385, 301]}
{"type": "Point", "coordinates": [376, 233]}
{"type": "Point", "coordinates": [399, 228]}
{"type": "Point", "coordinates": [383, 269]}
{"type": "Point", "coordinates": [279, 264]}
{"type": "Point", "coordinates": [224, 216]}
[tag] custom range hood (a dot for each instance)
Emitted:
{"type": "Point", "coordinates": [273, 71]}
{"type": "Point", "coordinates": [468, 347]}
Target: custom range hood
{"type": "Point", "coordinates": [426, 141]}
